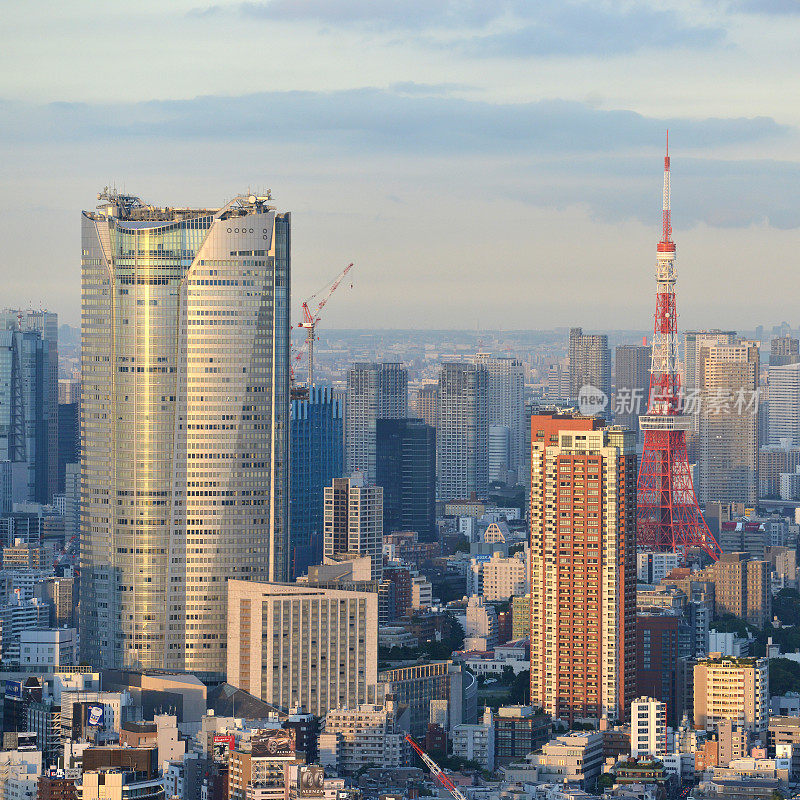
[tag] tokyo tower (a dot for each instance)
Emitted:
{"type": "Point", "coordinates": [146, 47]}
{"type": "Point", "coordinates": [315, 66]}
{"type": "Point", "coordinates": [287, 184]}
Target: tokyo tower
{"type": "Point", "coordinates": [668, 517]}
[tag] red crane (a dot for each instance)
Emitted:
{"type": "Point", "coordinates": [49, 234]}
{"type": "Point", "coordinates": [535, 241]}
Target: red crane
{"type": "Point", "coordinates": [311, 318]}
{"type": "Point", "coordinates": [435, 769]}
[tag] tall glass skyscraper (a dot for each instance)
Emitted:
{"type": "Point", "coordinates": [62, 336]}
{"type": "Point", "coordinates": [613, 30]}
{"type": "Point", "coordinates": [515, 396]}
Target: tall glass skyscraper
{"type": "Point", "coordinates": [185, 403]}
{"type": "Point", "coordinates": [29, 402]}
{"type": "Point", "coordinates": [317, 448]}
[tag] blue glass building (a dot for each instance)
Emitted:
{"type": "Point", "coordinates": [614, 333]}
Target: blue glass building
{"type": "Point", "coordinates": [317, 456]}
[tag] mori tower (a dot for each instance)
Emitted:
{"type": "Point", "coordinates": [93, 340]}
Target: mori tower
{"type": "Point", "coordinates": [185, 403]}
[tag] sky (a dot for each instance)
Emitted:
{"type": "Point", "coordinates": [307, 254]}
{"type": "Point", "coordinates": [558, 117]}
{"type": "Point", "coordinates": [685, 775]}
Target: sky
{"type": "Point", "coordinates": [494, 165]}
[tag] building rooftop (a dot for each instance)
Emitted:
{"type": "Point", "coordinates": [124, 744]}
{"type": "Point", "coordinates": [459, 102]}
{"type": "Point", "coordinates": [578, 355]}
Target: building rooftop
{"type": "Point", "coordinates": [133, 212]}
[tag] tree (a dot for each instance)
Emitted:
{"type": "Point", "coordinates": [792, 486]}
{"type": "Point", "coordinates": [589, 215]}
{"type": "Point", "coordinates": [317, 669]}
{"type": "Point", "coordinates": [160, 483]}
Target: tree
{"type": "Point", "coordinates": [605, 781]}
{"type": "Point", "coordinates": [784, 676]}
{"type": "Point", "coordinates": [520, 692]}
{"type": "Point", "coordinates": [786, 606]}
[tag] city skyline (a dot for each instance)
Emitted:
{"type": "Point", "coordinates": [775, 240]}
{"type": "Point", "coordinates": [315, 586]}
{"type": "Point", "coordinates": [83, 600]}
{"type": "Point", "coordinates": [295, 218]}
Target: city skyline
{"type": "Point", "coordinates": [445, 110]}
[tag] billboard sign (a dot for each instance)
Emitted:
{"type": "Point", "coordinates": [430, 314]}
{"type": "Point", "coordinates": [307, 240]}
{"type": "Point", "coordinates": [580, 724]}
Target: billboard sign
{"type": "Point", "coordinates": [274, 742]}
{"type": "Point", "coordinates": [14, 690]}
{"type": "Point", "coordinates": [95, 715]}
{"type": "Point", "coordinates": [310, 781]}
{"type": "Point", "coordinates": [223, 744]}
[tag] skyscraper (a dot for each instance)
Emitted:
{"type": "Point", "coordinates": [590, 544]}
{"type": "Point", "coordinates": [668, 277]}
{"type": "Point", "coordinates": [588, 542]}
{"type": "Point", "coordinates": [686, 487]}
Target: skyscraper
{"type": "Point", "coordinates": [374, 391]}
{"type": "Point", "coordinates": [589, 362]}
{"type": "Point", "coordinates": [406, 470]}
{"type": "Point", "coordinates": [506, 392]}
{"type": "Point", "coordinates": [583, 572]}
{"type": "Point", "coordinates": [29, 402]}
{"type": "Point", "coordinates": [185, 340]}
{"type": "Point", "coordinates": [728, 437]}
{"type": "Point", "coordinates": [69, 439]}
{"type": "Point", "coordinates": [784, 404]}
{"type": "Point", "coordinates": [631, 384]}
{"type": "Point", "coordinates": [784, 350]}
{"type": "Point", "coordinates": [353, 522]}
{"type": "Point", "coordinates": [317, 449]}
{"type": "Point", "coordinates": [462, 438]}
{"type": "Point", "coordinates": [428, 404]}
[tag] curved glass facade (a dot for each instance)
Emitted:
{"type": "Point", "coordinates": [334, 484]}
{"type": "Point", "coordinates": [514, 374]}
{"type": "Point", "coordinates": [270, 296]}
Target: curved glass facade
{"type": "Point", "coordinates": [185, 336]}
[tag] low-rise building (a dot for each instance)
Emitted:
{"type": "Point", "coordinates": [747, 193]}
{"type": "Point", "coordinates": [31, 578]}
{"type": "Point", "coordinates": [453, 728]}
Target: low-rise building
{"type": "Point", "coordinates": [49, 647]}
{"type": "Point", "coordinates": [370, 735]}
{"type": "Point", "coordinates": [476, 742]}
{"type": "Point", "coordinates": [574, 757]}
{"type": "Point", "coordinates": [519, 731]}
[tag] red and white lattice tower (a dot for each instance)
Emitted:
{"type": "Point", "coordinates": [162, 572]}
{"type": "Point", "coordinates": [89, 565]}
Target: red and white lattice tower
{"type": "Point", "coordinates": [668, 518]}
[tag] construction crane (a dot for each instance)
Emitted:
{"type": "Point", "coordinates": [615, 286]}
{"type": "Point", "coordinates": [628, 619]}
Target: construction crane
{"type": "Point", "coordinates": [435, 769]}
{"type": "Point", "coordinates": [311, 318]}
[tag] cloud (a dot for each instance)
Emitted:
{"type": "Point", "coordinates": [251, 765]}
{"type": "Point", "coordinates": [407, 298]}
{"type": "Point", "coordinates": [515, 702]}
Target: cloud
{"type": "Point", "coordinates": [772, 7]}
{"type": "Point", "coordinates": [721, 193]}
{"type": "Point", "coordinates": [409, 14]}
{"type": "Point", "coordinates": [376, 120]}
{"type": "Point", "coordinates": [578, 29]}
{"type": "Point", "coordinates": [505, 28]}
{"type": "Point", "coordinates": [548, 154]}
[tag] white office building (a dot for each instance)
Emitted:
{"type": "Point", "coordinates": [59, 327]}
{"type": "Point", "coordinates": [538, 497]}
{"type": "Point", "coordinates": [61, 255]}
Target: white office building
{"type": "Point", "coordinates": [648, 728]}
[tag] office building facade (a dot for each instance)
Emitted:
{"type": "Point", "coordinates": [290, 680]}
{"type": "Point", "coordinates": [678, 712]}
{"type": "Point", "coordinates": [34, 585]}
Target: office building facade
{"type": "Point", "coordinates": [462, 438]}
{"type": "Point", "coordinates": [29, 403]}
{"type": "Point", "coordinates": [317, 457]}
{"type": "Point", "coordinates": [185, 404]}
{"type": "Point", "coordinates": [631, 384]}
{"type": "Point", "coordinates": [583, 573]}
{"type": "Point", "coordinates": [374, 391]}
{"type": "Point", "coordinates": [406, 471]}
{"type": "Point", "coordinates": [293, 645]}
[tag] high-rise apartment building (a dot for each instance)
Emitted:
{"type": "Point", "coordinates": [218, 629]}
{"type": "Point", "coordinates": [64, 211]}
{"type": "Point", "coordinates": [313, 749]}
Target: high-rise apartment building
{"type": "Point", "coordinates": [374, 391]}
{"type": "Point", "coordinates": [406, 470]}
{"type": "Point", "coordinates": [353, 521]}
{"type": "Point", "coordinates": [784, 350]}
{"type": "Point", "coordinates": [185, 405]}
{"type": "Point", "coordinates": [294, 645]}
{"type": "Point", "coordinates": [317, 450]}
{"type": "Point", "coordinates": [728, 423]}
{"type": "Point", "coordinates": [784, 405]}
{"type": "Point", "coordinates": [462, 437]}
{"type": "Point", "coordinates": [589, 362]}
{"type": "Point", "coordinates": [735, 689]}
{"type": "Point", "coordinates": [583, 572]}
{"type": "Point", "coordinates": [428, 404]}
{"type": "Point", "coordinates": [506, 398]}
{"type": "Point", "coordinates": [29, 403]}
{"type": "Point", "coordinates": [631, 384]}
